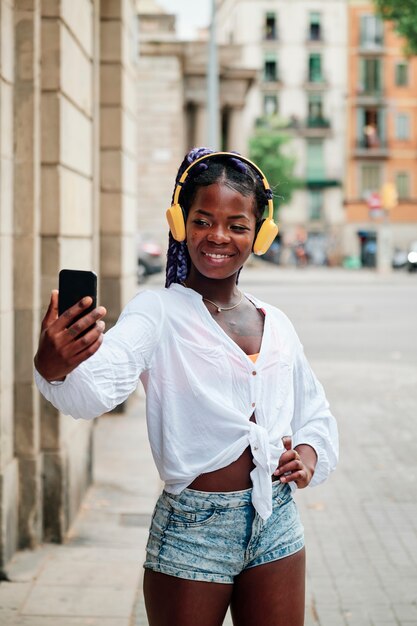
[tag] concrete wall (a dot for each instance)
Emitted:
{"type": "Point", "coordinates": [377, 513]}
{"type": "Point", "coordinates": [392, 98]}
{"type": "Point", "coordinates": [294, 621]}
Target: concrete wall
{"type": "Point", "coordinates": [9, 470]}
{"type": "Point", "coordinates": [67, 199]}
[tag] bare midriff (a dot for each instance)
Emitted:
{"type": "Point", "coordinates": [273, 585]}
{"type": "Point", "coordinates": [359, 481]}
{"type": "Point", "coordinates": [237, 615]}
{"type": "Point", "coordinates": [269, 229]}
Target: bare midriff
{"type": "Point", "coordinates": [233, 477]}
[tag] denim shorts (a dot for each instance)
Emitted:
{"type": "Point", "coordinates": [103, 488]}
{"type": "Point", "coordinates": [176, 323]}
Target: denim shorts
{"type": "Point", "coordinates": [213, 537]}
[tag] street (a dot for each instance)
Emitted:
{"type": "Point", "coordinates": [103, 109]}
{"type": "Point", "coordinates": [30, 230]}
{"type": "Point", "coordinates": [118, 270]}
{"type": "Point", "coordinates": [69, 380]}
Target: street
{"type": "Point", "coordinates": [361, 526]}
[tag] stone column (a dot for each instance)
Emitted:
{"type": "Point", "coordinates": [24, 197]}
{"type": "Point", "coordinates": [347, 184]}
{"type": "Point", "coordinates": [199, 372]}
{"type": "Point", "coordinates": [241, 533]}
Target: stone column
{"type": "Point", "coordinates": [8, 464]}
{"type": "Point", "coordinates": [118, 218]}
{"type": "Point", "coordinates": [201, 125]}
{"type": "Point", "coordinates": [27, 266]}
{"type": "Point", "coordinates": [236, 139]}
{"type": "Point", "coordinates": [67, 224]}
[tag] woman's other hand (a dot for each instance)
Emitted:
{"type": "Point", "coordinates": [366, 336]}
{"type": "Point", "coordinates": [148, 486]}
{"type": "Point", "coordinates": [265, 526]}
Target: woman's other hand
{"type": "Point", "coordinates": [61, 348]}
{"type": "Point", "coordinates": [296, 464]}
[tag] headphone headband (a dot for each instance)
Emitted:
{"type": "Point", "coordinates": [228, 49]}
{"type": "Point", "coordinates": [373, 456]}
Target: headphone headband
{"type": "Point", "coordinates": [233, 155]}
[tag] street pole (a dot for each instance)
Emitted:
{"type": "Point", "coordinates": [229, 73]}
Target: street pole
{"type": "Point", "coordinates": [389, 198]}
{"type": "Point", "coordinates": [213, 85]}
{"type": "Point", "coordinates": [384, 245]}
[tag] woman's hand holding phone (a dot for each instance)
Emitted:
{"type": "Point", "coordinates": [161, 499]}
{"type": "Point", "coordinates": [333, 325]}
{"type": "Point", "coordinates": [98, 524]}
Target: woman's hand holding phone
{"type": "Point", "coordinates": [62, 344]}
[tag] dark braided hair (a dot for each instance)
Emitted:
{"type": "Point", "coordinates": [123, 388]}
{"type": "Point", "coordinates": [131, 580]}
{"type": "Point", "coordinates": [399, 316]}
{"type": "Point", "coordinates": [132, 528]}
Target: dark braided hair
{"type": "Point", "coordinates": [234, 173]}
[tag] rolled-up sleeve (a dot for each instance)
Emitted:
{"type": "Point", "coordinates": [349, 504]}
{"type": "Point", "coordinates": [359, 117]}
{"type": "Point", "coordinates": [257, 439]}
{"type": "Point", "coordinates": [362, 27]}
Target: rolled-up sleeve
{"type": "Point", "coordinates": [313, 423]}
{"type": "Point", "coordinates": [106, 379]}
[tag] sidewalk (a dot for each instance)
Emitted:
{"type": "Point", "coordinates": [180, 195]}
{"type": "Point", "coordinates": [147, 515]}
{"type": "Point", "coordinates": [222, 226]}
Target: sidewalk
{"type": "Point", "coordinates": [95, 577]}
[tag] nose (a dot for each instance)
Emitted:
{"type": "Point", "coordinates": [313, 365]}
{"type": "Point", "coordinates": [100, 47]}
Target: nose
{"type": "Point", "coordinates": [218, 234]}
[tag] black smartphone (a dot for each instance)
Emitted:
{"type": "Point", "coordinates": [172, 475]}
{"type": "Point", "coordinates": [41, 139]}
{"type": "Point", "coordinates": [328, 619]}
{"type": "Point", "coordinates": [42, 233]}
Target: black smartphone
{"type": "Point", "coordinates": [75, 285]}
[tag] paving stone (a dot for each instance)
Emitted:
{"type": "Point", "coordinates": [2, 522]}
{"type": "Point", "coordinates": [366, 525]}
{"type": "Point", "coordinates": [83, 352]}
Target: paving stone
{"type": "Point", "coordinates": [27, 564]}
{"type": "Point", "coordinates": [68, 601]}
{"type": "Point", "coordinates": [405, 612]}
{"type": "Point", "coordinates": [90, 574]}
{"type": "Point", "coordinates": [12, 595]}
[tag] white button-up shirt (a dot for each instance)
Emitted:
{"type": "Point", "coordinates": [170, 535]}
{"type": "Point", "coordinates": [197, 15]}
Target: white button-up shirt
{"type": "Point", "coordinates": [201, 390]}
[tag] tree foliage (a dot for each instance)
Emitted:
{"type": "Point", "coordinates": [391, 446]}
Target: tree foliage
{"type": "Point", "coordinates": [267, 150]}
{"type": "Point", "coordinates": [403, 13]}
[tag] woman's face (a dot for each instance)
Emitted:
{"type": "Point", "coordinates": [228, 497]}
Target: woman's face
{"type": "Point", "coordinates": [220, 230]}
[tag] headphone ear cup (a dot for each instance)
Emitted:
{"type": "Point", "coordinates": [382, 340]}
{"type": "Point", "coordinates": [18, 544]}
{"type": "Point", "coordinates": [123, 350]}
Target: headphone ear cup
{"type": "Point", "coordinates": [266, 234]}
{"type": "Point", "coordinates": [176, 221]}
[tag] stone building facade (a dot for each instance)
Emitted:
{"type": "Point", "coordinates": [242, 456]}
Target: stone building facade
{"type": "Point", "coordinates": [298, 50]}
{"type": "Point", "coordinates": [68, 177]}
{"type": "Point", "coordinates": [172, 107]}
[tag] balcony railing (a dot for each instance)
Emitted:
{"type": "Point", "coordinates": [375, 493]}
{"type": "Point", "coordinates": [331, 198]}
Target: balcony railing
{"type": "Point", "coordinates": [376, 148]}
{"type": "Point", "coordinates": [371, 43]}
{"type": "Point", "coordinates": [375, 144]}
{"type": "Point", "coordinates": [370, 91]}
{"type": "Point", "coordinates": [317, 122]}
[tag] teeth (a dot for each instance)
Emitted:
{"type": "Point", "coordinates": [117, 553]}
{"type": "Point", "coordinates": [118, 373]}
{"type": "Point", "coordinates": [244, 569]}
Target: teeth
{"type": "Point", "coordinates": [217, 256]}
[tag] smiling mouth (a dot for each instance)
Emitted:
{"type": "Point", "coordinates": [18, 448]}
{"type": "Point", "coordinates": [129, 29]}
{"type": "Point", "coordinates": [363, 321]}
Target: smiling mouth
{"type": "Point", "coordinates": [214, 255]}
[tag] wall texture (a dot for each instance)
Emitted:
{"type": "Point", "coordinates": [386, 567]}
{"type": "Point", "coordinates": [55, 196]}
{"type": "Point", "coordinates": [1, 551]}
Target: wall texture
{"type": "Point", "coordinates": [67, 199]}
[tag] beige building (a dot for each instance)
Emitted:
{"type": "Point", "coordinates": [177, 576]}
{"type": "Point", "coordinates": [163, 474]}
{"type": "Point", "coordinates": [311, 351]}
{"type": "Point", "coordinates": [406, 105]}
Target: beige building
{"type": "Point", "coordinates": [299, 50]}
{"type": "Point", "coordinates": [172, 107]}
{"type": "Point", "coordinates": [68, 188]}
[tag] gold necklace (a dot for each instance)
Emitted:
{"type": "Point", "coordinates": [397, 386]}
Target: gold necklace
{"type": "Point", "coordinates": [225, 308]}
{"type": "Point", "coordinates": [220, 308]}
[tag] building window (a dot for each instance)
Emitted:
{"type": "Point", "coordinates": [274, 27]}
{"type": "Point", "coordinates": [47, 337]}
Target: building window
{"type": "Point", "coordinates": [270, 26]}
{"type": "Point", "coordinates": [371, 130]}
{"type": "Point", "coordinates": [314, 33]}
{"type": "Point", "coordinates": [315, 106]}
{"type": "Point", "coordinates": [402, 126]}
{"type": "Point", "coordinates": [270, 68]}
{"type": "Point", "coordinates": [370, 76]}
{"type": "Point", "coordinates": [371, 31]}
{"type": "Point", "coordinates": [270, 104]}
{"type": "Point", "coordinates": [402, 181]}
{"type": "Point", "coordinates": [401, 74]}
{"type": "Point", "coordinates": [315, 204]}
{"type": "Point", "coordinates": [315, 160]}
{"type": "Point", "coordinates": [370, 179]}
{"type": "Point", "coordinates": [314, 68]}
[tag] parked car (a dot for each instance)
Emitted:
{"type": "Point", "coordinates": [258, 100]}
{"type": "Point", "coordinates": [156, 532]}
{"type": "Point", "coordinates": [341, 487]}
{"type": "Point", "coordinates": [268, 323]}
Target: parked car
{"type": "Point", "coordinates": [149, 256]}
{"type": "Point", "coordinates": [412, 257]}
{"type": "Point", "coordinates": [399, 258]}
{"type": "Point", "coordinates": [273, 254]}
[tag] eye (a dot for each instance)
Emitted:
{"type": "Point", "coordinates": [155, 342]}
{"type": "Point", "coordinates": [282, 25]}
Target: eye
{"type": "Point", "coordinates": [239, 228]}
{"type": "Point", "coordinates": [200, 222]}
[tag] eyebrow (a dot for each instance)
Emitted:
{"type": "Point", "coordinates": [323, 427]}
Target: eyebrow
{"type": "Point", "coordinates": [231, 217]}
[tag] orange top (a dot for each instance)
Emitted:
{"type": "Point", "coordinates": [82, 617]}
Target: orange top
{"type": "Point", "coordinates": [253, 357]}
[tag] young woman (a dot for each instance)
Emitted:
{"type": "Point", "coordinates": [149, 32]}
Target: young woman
{"type": "Point", "coordinates": [236, 418]}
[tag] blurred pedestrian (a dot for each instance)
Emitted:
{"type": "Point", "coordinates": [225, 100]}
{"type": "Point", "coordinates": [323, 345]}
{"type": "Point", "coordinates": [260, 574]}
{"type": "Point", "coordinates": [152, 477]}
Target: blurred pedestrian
{"type": "Point", "coordinates": [236, 418]}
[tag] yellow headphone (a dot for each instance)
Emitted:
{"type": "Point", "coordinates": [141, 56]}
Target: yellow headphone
{"type": "Point", "coordinates": [268, 229]}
